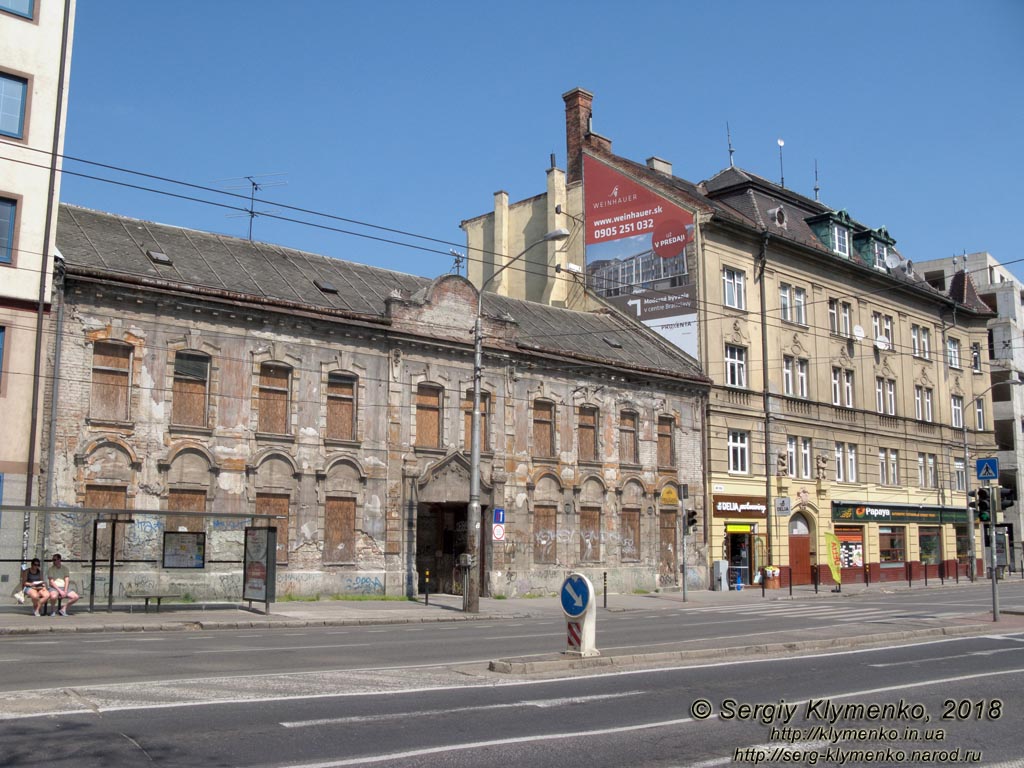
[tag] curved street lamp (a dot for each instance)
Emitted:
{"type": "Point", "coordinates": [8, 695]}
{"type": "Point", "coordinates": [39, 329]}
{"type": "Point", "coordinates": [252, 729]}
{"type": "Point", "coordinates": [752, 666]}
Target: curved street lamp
{"type": "Point", "coordinates": [471, 600]}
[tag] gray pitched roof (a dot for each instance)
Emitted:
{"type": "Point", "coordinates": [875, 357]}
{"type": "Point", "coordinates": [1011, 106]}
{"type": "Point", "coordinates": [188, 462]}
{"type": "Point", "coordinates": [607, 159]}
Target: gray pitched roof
{"type": "Point", "coordinates": [115, 247]}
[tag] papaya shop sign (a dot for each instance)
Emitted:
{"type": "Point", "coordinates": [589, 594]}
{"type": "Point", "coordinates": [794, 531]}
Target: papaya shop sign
{"type": "Point", "coordinates": [846, 512]}
{"type": "Point", "coordinates": [743, 507]}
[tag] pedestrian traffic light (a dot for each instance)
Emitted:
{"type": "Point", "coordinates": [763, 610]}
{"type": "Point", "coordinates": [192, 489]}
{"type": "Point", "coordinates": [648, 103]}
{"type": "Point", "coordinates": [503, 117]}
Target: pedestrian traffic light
{"type": "Point", "coordinates": [1007, 497]}
{"type": "Point", "coordinates": [984, 506]}
{"type": "Point", "coordinates": [691, 519]}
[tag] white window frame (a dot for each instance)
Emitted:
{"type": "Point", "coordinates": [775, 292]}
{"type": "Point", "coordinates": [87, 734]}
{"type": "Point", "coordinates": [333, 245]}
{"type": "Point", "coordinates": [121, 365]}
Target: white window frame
{"type": "Point", "coordinates": [953, 353]}
{"type": "Point", "coordinates": [733, 291]}
{"type": "Point", "coordinates": [894, 466]}
{"type": "Point", "coordinates": [848, 387]}
{"type": "Point", "coordinates": [959, 474]}
{"type": "Point", "coordinates": [791, 456]}
{"type": "Point", "coordinates": [836, 386]}
{"type": "Point", "coordinates": [787, 375]}
{"type": "Point", "coordinates": [933, 478]}
{"type": "Point", "coordinates": [844, 318]}
{"type": "Point", "coordinates": [926, 343]}
{"type": "Point", "coordinates": [833, 315]}
{"type": "Point", "coordinates": [735, 366]}
{"type": "Point", "coordinates": [928, 404]}
{"type": "Point", "coordinates": [846, 462]}
{"type": "Point", "coordinates": [800, 306]}
{"type": "Point", "coordinates": [979, 414]}
{"type": "Point", "coordinates": [918, 402]}
{"type": "Point", "coordinates": [841, 236]}
{"type": "Point", "coordinates": [805, 457]}
{"type": "Point", "coordinates": [890, 396]}
{"type": "Point", "coordinates": [739, 452]}
{"type": "Point", "coordinates": [921, 477]}
{"type": "Point", "coordinates": [801, 378]}
{"type": "Point", "coordinates": [976, 357]}
{"type": "Point", "coordinates": [956, 404]}
{"type": "Point", "coordinates": [879, 394]}
{"type": "Point", "coordinates": [786, 302]}
{"type": "Point", "coordinates": [881, 251]}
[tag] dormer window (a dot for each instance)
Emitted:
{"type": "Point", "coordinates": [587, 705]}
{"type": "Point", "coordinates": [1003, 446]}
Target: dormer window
{"type": "Point", "coordinates": [881, 252]}
{"type": "Point", "coordinates": [841, 240]}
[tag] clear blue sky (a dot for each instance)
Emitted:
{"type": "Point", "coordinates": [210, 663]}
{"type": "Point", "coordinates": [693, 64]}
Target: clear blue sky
{"type": "Point", "coordinates": [410, 115]}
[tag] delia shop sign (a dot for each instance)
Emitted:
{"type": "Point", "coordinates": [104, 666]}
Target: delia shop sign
{"type": "Point", "coordinates": [745, 507]}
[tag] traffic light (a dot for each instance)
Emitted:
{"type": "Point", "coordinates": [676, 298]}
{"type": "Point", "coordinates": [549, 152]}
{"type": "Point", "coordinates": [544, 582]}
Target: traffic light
{"type": "Point", "coordinates": [984, 506]}
{"type": "Point", "coordinates": [691, 519]}
{"type": "Point", "coordinates": [1007, 497]}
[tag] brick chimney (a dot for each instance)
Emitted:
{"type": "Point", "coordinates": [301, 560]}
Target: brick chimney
{"type": "Point", "coordinates": [577, 127]}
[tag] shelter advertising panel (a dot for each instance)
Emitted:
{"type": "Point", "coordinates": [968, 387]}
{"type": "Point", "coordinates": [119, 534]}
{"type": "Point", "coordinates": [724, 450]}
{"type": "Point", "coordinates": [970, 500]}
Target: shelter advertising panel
{"type": "Point", "coordinates": [636, 253]}
{"type": "Point", "coordinates": [260, 565]}
{"type": "Point", "coordinates": [184, 550]}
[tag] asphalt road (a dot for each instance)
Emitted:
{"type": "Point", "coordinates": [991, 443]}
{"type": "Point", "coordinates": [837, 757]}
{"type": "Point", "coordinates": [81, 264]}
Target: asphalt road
{"type": "Point", "coordinates": [94, 659]}
{"type": "Point", "coordinates": [961, 697]}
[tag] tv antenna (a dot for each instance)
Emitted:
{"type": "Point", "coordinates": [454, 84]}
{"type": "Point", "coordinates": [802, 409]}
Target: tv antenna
{"type": "Point", "coordinates": [458, 258]}
{"type": "Point", "coordinates": [255, 185]}
{"type": "Point", "coordinates": [728, 137]}
{"type": "Point", "coordinates": [817, 188]}
{"type": "Point", "coordinates": [782, 175]}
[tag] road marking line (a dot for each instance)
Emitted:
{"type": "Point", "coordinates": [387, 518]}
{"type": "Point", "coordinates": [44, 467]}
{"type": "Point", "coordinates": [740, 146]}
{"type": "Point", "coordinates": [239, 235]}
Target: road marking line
{"type": "Point", "coordinates": [289, 649]}
{"type": "Point", "coordinates": [541, 703]}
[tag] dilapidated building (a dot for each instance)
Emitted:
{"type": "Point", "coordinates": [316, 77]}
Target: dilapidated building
{"type": "Point", "coordinates": [198, 376]}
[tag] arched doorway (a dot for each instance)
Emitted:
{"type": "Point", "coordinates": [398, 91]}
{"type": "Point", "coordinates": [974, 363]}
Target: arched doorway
{"type": "Point", "coordinates": [800, 548]}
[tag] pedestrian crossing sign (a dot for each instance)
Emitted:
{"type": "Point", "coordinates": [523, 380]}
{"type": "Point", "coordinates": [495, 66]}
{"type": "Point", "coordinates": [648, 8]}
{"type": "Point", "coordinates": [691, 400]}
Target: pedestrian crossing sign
{"type": "Point", "coordinates": [988, 469]}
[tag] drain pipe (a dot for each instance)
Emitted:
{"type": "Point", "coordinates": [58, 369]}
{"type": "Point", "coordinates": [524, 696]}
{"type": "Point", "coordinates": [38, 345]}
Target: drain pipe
{"type": "Point", "coordinates": [58, 344]}
{"type": "Point", "coordinates": [766, 397]}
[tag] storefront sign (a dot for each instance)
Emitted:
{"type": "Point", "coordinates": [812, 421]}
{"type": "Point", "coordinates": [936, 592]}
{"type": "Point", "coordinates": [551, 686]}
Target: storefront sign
{"type": "Point", "coordinates": [744, 507]}
{"type": "Point", "coordinates": [844, 512]}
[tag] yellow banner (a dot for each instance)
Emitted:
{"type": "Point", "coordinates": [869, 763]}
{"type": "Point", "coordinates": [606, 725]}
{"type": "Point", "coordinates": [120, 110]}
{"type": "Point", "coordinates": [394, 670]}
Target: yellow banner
{"type": "Point", "coordinates": [835, 561]}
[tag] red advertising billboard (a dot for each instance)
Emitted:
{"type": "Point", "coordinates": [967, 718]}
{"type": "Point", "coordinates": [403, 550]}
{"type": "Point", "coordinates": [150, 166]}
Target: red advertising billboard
{"type": "Point", "coordinates": [637, 252]}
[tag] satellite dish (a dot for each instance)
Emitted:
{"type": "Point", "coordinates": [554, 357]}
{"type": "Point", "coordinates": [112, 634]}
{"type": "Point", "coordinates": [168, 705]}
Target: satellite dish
{"type": "Point", "coordinates": [858, 333]}
{"type": "Point", "coordinates": [882, 343]}
{"type": "Point", "coordinates": [891, 259]}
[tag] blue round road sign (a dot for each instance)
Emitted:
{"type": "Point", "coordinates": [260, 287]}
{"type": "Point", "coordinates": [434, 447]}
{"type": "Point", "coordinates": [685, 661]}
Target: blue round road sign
{"type": "Point", "coordinates": [575, 595]}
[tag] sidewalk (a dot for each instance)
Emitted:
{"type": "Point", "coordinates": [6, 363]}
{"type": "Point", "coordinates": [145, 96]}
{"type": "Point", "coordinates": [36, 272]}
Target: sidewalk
{"type": "Point", "coordinates": [18, 619]}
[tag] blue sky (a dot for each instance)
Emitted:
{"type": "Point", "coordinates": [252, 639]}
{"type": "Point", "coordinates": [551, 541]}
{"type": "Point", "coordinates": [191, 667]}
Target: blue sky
{"type": "Point", "coordinates": [411, 115]}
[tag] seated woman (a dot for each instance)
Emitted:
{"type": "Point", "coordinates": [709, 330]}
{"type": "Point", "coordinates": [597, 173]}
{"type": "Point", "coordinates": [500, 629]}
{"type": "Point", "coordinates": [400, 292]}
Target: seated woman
{"type": "Point", "coordinates": [34, 585]}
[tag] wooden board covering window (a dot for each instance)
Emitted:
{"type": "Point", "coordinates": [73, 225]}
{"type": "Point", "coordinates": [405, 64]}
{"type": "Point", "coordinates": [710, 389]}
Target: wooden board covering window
{"type": "Point", "coordinates": [666, 444]}
{"type": "Point", "coordinates": [191, 376]}
{"type": "Point", "coordinates": [630, 534]}
{"type": "Point", "coordinates": [590, 534]}
{"type": "Point", "coordinates": [467, 412]}
{"type": "Point", "coordinates": [276, 504]}
{"type": "Point", "coordinates": [273, 402]}
{"type": "Point", "coordinates": [181, 500]}
{"type": "Point", "coordinates": [588, 433]}
{"type": "Point", "coordinates": [111, 376]}
{"type": "Point", "coordinates": [340, 530]}
{"type": "Point", "coordinates": [107, 497]}
{"type": "Point", "coordinates": [627, 438]}
{"type": "Point", "coordinates": [545, 534]}
{"type": "Point", "coordinates": [543, 428]}
{"type": "Point", "coordinates": [667, 543]}
{"type": "Point", "coordinates": [341, 407]}
{"type": "Point", "coordinates": [428, 416]}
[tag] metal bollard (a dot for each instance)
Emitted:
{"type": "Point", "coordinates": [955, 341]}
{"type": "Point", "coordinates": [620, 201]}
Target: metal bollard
{"type": "Point", "coordinates": [605, 575]}
{"type": "Point", "coordinates": [426, 589]}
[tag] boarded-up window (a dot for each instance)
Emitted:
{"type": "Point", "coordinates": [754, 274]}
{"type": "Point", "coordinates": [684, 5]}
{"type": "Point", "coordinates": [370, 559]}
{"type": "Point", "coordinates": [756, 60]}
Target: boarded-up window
{"type": "Point", "coordinates": [111, 380]}
{"type": "Point", "coordinates": [588, 433]}
{"type": "Point", "coordinates": [545, 534]}
{"type": "Point", "coordinates": [428, 416]}
{"type": "Point", "coordinates": [543, 428]}
{"type": "Point", "coordinates": [180, 500]}
{"type": "Point", "coordinates": [590, 534]}
{"type": "Point", "coordinates": [630, 534]}
{"type": "Point", "coordinates": [189, 398]}
{"type": "Point", "coordinates": [341, 407]}
{"type": "Point", "coordinates": [467, 411]}
{"type": "Point", "coordinates": [276, 504]}
{"type": "Point", "coordinates": [666, 441]}
{"type": "Point", "coordinates": [275, 381]}
{"type": "Point", "coordinates": [107, 497]}
{"type": "Point", "coordinates": [340, 531]}
{"type": "Point", "coordinates": [628, 449]}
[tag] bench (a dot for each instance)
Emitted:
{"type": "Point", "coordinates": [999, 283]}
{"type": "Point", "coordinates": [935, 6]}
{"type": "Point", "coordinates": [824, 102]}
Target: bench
{"type": "Point", "coordinates": [158, 596]}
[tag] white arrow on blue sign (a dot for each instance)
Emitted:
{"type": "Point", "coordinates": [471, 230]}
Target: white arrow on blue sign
{"type": "Point", "coordinates": [575, 595]}
{"type": "Point", "coordinates": [988, 469]}
{"type": "Point", "coordinates": [499, 515]}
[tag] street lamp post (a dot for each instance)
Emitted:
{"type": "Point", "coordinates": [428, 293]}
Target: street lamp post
{"type": "Point", "coordinates": [471, 600]}
{"type": "Point", "coordinates": [970, 512]}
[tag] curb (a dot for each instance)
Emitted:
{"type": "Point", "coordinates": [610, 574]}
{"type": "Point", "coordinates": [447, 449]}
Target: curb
{"type": "Point", "coordinates": [515, 667]}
